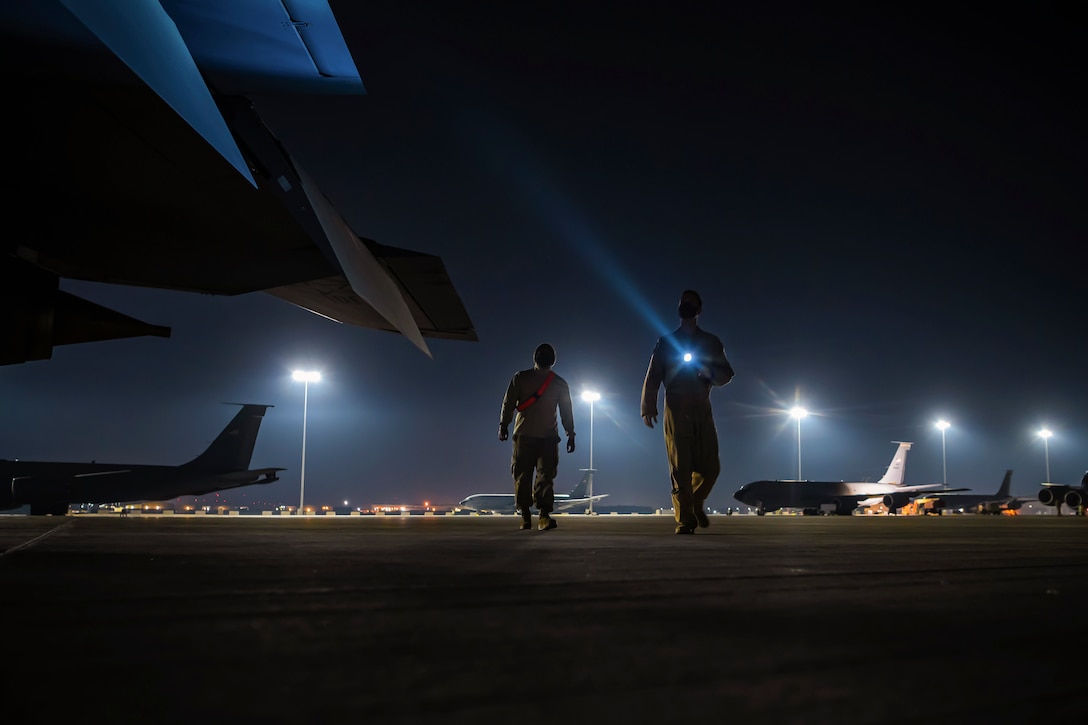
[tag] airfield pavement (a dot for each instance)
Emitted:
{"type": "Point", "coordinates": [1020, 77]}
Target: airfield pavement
{"type": "Point", "coordinates": [455, 619]}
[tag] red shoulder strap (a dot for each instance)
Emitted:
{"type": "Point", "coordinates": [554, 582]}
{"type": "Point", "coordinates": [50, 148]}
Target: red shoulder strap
{"type": "Point", "coordinates": [540, 391]}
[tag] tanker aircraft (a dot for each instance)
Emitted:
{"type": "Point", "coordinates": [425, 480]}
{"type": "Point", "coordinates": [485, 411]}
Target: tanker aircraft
{"type": "Point", "coordinates": [49, 487]}
{"type": "Point", "coordinates": [982, 503]}
{"type": "Point", "coordinates": [503, 503]}
{"type": "Point", "coordinates": [836, 497]}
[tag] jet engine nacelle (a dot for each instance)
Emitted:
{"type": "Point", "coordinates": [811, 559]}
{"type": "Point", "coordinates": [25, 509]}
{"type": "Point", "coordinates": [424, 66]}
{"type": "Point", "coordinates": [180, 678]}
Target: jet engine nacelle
{"type": "Point", "coordinates": [843, 508]}
{"type": "Point", "coordinates": [997, 507]}
{"type": "Point", "coordinates": [1076, 497]}
{"type": "Point", "coordinates": [1053, 495]}
{"type": "Point", "coordinates": [896, 501]}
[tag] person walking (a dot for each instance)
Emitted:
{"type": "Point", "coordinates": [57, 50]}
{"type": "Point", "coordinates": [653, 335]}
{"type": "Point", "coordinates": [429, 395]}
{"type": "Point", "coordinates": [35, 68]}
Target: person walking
{"type": "Point", "coordinates": [689, 361]}
{"type": "Point", "coordinates": [534, 395]}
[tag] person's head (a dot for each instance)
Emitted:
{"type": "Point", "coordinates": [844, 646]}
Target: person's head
{"type": "Point", "coordinates": [691, 304]}
{"type": "Point", "coordinates": [544, 355]}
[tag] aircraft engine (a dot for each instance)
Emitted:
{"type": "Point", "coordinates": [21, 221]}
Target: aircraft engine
{"type": "Point", "coordinates": [896, 501]}
{"type": "Point", "coordinates": [44, 316]}
{"type": "Point", "coordinates": [1076, 497]}
{"type": "Point", "coordinates": [843, 508]}
{"type": "Point", "coordinates": [1052, 495]}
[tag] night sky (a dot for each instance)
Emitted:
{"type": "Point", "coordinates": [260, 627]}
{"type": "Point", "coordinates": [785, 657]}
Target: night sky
{"type": "Point", "coordinates": [883, 210]}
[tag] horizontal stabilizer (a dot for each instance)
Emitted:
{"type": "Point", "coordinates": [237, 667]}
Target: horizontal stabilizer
{"type": "Point", "coordinates": [423, 282]}
{"type": "Point", "coordinates": [37, 316]}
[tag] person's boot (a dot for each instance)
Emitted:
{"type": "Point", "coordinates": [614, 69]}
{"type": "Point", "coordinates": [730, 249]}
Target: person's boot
{"type": "Point", "coordinates": [526, 520]}
{"type": "Point", "coordinates": [546, 522]}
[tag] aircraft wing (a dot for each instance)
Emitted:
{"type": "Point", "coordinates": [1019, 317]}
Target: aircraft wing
{"type": "Point", "coordinates": [907, 493]}
{"type": "Point", "coordinates": [139, 158]}
{"type": "Point", "coordinates": [569, 503]}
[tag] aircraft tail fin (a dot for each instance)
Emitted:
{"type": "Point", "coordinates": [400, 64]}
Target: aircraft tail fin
{"type": "Point", "coordinates": [582, 489]}
{"type": "Point", "coordinates": [1005, 484]}
{"type": "Point", "coordinates": [897, 468]}
{"type": "Point", "coordinates": [233, 448]}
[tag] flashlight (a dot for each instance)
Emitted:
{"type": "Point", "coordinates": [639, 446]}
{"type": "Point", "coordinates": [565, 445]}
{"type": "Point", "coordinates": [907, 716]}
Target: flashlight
{"type": "Point", "coordinates": [687, 357]}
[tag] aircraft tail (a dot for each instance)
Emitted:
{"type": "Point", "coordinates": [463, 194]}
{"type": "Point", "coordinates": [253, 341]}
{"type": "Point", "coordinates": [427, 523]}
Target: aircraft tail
{"type": "Point", "coordinates": [1003, 492]}
{"type": "Point", "coordinates": [582, 489]}
{"type": "Point", "coordinates": [898, 467]}
{"type": "Point", "coordinates": [233, 448]}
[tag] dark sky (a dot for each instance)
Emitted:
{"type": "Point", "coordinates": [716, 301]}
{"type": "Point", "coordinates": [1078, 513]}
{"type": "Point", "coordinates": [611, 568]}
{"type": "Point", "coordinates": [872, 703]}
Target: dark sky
{"type": "Point", "coordinates": [883, 209]}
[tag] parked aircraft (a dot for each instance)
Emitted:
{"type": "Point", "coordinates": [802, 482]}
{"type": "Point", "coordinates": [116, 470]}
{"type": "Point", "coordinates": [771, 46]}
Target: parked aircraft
{"type": "Point", "coordinates": [503, 503]}
{"type": "Point", "coordinates": [49, 487]}
{"type": "Point", "coordinates": [1055, 494]}
{"type": "Point", "coordinates": [137, 156]}
{"type": "Point", "coordinates": [981, 503]}
{"type": "Point", "coordinates": [835, 497]}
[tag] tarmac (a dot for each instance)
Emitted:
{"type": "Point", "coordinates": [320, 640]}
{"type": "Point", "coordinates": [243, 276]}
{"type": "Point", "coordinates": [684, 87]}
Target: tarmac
{"type": "Point", "coordinates": [467, 619]}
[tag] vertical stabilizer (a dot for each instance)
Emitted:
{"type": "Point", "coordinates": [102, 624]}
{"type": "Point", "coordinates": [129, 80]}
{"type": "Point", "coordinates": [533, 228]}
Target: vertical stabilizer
{"type": "Point", "coordinates": [582, 489]}
{"type": "Point", "coordinates": [898, 467]}
{"type": "Point", "coordinates": [233, 448]}
{"type": "Point", "coordinates": [1006, 483]}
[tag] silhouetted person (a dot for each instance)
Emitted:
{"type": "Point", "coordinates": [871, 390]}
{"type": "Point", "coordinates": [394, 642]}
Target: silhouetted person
{"type": "Point", "coordinates": [535, 394]}
{"type": "Point", "coordinates": [689, 361]}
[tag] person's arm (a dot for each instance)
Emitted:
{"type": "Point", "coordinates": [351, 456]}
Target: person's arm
{"type": "Point", "coordinates": [655, 375]}
{"type": "Point", "coordinates": [509, 405]}
{"type": "Point", "coordinates": [720, 371]}
{"type": "Point", "coordinates": [566, 415]}
{"type": "Point", "coordinates": [566, 410]}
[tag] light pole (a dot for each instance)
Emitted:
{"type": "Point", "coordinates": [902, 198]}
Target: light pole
{"type": "Point", "coordinates": [1045, 434]}
{"type": "Point", "coordinates": [305, 377]}
{"type": "Point", "coordinates": [797, 413]}
{"type": "Point", "coordinates": [591, 397]}
{"type": "Point", "coordinates": [942, 425]}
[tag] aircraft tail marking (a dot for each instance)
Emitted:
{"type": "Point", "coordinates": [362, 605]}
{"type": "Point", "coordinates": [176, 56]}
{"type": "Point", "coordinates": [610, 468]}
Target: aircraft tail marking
{"type": "Point", "coordinates": [897, 468]}
{"type": "Point", "coordinates": [233, 448]}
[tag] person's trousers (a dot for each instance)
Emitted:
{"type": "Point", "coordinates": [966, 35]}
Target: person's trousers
{"type": "Point", "coordinates": [539, 456]}
{"type": "Point", "coordinates": [691, 441]}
